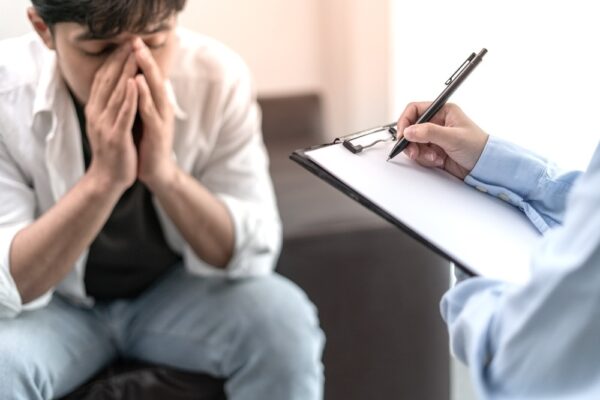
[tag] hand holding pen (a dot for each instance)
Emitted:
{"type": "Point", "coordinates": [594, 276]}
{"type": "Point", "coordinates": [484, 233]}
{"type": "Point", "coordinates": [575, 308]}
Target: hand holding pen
{"type": "Point", "coordinates": [452, 84]}
{"type": "Point", "coordinates": [450, 141]}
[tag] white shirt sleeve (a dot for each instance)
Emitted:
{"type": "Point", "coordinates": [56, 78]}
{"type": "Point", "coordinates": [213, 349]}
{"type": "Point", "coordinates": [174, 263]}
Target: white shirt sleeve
{"type": "Point", "coordinates": [17, 204]}
{"type": "Point", "coordinates": [237, 173]}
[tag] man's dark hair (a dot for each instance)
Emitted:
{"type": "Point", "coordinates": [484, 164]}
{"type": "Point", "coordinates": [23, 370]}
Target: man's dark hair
{"type": "Point", "coordinates": [107, 18]}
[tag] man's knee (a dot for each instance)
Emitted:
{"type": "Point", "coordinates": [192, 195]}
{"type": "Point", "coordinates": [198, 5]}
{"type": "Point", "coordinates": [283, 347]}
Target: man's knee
{"type": "Point", "coordinates": [21, 376]}
{"type": "Point", "coordinates": [281, 326]}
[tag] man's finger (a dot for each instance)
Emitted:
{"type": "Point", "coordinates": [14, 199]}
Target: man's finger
{"type": "Point", "coordinates": [429, 157]}
{"type": "Point", "coordinates": [431, 133]}
{"type": "Point", "coordinates": [107, 76]}
{"type": "Point", "coordinates": [118, 95]}
{"type": "Point", "coordinates": [413, 111]}
{"type": "Point", "coordinates": [146, 102]}
{"type": "Point", "coordinates": [152, 74]}
{"type": "Point", "coordinates": [412, 151]}
{"type": "Point", "coordinates": [126, 116]}
{"type": "Point", "coordinates": [408, 117]}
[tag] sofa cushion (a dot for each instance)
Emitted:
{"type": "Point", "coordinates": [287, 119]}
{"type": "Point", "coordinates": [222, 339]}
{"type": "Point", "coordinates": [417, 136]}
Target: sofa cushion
{"type": "Point", "coordinates": [134, 380]}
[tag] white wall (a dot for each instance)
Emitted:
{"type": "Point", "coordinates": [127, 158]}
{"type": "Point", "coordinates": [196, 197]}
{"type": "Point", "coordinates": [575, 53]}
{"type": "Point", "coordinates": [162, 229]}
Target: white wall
{"type": "Point", "coordinates": [13, 18]}
{"type": "Point", "coordinates": [537, 85]}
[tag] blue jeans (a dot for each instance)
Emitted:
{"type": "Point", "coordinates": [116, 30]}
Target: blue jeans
{"type": "Point", "coordinates": [261, 334]}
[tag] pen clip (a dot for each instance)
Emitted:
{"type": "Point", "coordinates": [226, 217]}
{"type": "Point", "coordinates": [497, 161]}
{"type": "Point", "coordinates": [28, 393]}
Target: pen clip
{"type": "Point", "coordinates": [460, 69]}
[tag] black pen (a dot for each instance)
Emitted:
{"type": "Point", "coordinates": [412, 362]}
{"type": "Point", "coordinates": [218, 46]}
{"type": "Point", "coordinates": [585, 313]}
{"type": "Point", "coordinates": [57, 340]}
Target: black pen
{"type": "Point", "coordinates": [451, 85]}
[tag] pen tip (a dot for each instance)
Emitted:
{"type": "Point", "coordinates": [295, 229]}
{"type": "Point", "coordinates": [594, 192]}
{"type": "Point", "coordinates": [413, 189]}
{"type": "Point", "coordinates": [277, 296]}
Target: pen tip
{"type": "Point", "coordinates": [388, 159]}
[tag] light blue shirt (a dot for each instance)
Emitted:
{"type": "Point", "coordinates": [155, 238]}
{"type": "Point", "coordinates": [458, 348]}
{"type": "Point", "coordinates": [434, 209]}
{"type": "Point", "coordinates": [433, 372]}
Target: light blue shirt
{"type": "Point", "coordinates": [540, 340]}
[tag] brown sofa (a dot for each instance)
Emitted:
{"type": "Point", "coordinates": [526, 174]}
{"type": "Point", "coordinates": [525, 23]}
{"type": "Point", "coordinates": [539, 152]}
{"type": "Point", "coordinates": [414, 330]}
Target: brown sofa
{"type": "Point", "coordinates": [377, 289]}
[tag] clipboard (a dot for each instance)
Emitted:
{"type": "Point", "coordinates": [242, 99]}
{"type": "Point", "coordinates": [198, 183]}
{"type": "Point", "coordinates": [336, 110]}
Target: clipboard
{"type": "Point", "coordinates": [480, 234]}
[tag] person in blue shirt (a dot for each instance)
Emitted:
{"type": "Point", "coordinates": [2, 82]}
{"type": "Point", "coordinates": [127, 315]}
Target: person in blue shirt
{"type": "Point", "coordinates": [539, 340]}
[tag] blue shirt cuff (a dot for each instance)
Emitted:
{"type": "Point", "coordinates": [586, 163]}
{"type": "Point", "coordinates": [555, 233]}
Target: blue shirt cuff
{"type": "Point", "coordinates": [509, 172]}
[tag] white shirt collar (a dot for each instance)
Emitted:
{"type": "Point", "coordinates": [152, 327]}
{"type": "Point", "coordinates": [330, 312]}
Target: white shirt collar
{"type": "Point", "coordinates": [178, 111]}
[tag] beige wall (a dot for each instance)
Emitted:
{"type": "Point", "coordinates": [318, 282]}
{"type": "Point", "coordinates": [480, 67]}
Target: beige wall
{"type": "Point", "coordinates": [337, 47]}
{"type": "Point", "coordinates": [356, 60]}
{"type": "Point", "coordinates": [278, 39]}
{"type": "Point", "coordinates": [340, 48]}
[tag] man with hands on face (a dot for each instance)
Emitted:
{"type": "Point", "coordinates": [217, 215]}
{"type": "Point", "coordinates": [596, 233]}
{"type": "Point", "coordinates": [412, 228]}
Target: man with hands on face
{"type": "Point", "coordinates": [137, 216]}
{"type": "Point", "coordinates": [538, 340]}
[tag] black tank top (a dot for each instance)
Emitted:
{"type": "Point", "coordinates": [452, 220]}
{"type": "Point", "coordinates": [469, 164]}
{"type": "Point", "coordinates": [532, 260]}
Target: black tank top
{"type": "Point", "coordinates": [130, 253]}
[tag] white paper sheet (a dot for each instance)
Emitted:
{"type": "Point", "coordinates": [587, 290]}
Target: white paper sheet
{"type": "Point", "coordinates": [485, 234]}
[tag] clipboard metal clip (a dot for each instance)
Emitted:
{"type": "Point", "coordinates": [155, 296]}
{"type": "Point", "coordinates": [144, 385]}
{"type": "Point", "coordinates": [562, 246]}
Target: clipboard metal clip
{"type": "Point", "coordinates": [356, 143]}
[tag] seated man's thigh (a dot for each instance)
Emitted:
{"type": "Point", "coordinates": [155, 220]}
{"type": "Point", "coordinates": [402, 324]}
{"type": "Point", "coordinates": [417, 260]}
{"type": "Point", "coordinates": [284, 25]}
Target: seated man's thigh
{"type": "Point", "coordinates": [48, 352]}
{"type": "Point", "coordinates": [252, 328]}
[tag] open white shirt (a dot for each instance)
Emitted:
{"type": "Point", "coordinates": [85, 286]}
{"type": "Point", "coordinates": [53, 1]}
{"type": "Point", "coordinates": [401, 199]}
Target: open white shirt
{"type": "Point", "coordinates": [217, 140]}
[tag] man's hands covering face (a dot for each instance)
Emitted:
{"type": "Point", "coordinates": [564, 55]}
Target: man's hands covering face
{"type": "Point", "coordinates": [110, 113]}
{"type": "Point", "coordinates": [156, 165]}
{"type": "Point", "coordinates": [117, 94]}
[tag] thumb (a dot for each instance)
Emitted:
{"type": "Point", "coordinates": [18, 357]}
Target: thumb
{"type": "Point", "coordinates": [442, 136]}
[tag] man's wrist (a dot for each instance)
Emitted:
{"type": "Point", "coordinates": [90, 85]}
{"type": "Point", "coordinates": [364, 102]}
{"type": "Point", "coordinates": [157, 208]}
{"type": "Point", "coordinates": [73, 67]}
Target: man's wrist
{"type": "Point", "coordinates": [101, 186]}
{"type": "Point", "coordinates": [163, 179]}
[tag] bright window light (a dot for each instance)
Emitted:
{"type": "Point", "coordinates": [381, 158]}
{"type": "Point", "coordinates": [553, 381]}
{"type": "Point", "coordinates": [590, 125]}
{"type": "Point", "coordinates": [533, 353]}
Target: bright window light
{"type": "Point", "coordinates": [538, 85]}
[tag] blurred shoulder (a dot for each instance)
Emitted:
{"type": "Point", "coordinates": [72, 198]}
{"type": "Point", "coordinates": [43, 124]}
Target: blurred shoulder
{"type": "Point", "coordinates": [21, 59]}
{"type": "Point", "coordinates": [202, 57]}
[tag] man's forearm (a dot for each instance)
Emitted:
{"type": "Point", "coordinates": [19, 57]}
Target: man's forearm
{"type": "Point", "coordinates": [43, 253]}
{"type": "Point", "coordinates": [201, 218]}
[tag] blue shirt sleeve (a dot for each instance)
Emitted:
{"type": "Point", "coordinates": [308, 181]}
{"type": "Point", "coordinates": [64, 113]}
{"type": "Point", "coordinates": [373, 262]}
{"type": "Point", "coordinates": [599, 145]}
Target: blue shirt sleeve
{"type": "Point", "coordinates": [525, 180]}
{"type": "Point", "coordinates": [538, 340]}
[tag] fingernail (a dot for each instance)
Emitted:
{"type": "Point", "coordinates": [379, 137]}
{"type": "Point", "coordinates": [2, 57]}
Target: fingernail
{"type": "Point", "coordinates": [141, 48]}
{"type": "Point", "coordinates": [408, 132]}
{"type": "Point", "coordinates": [138, 43]}
{"type": "Point", "coordinates": [142, 52]}
{"type": "Point", "coordinates": [410, 153]}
